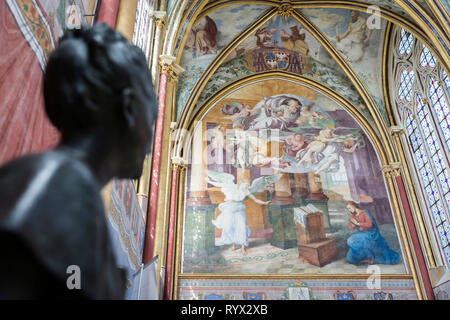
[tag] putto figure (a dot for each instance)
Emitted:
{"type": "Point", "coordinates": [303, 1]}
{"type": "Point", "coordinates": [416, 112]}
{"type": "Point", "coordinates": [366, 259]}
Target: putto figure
{"type": "Point", "coordinates": [98, 92]}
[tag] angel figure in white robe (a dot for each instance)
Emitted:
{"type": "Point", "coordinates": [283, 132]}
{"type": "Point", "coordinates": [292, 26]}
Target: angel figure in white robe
{"type": "Point", "coordinates": [232, 218]}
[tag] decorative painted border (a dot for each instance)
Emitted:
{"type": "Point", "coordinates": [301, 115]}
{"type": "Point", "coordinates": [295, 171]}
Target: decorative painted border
{"type": "Point", "coordinates": [116, 214]}
{"type": "Point", "coordinates": [234, 289]}
{"type": "Point", "coordinates": [34, 27]}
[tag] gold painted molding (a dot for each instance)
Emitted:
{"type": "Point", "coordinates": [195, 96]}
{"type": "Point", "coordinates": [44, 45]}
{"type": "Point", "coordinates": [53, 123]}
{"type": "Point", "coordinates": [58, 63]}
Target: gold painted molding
{"type": "Point", "coordinates": [178, 234]}
{"type": "Point", "coordinates": [392, 170]}
{"type": "Point", "coordinates": [440, 13]}
{"type": "Point", "coordinates": [385, 73]}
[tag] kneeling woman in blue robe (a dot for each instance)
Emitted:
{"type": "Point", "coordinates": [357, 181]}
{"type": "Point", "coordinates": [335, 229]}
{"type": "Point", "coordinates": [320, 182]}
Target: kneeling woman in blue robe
{"type": "Point", "coordinates": [367, 245]}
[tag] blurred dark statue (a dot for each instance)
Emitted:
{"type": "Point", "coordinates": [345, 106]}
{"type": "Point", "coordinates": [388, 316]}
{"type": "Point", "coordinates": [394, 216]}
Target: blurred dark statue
{"type": "Point", "coordinates": [98, 92]}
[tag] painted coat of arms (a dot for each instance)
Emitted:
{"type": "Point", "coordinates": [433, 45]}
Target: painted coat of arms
{"type": "Point", "coordinates": [344, 295]}
{"type": "Point", "coordinates": [380, 295]}
{"type": "Point", "coordinates": [277, 59]}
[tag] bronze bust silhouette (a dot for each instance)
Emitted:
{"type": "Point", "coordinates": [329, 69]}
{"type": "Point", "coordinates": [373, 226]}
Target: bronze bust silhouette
{"type": "Point", "coordinates": [98, 92]}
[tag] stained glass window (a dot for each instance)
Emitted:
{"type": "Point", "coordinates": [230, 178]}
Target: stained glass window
{"type": "Point", "coordinates": [406, 42]}
{"type": "Point", "coordinates": [406, 83]}
{"type": "Point", "coordinates": [440, 106]}
{"type": "Point", "coordinates": [446, 80]}
{"type": "Point", "coordinates": [427, 59]}
{"type": "Point", "coordinates": [434, 148]}
{"type": "Point", "coordinates": [428, 128]}
{"type": "Point", "coordinates": [428, 181]}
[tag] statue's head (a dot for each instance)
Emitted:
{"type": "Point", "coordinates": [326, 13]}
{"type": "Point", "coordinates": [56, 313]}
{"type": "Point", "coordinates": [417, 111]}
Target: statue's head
{"type": "Point", "coordinates": [97, 84]}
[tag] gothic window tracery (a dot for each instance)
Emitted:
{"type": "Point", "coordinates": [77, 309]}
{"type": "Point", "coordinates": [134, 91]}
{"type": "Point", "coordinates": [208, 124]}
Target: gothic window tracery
{"type": "Point", "coordinates": [421, 98]}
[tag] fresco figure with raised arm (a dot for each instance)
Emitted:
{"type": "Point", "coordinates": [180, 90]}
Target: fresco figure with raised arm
{"type": "Point", "coordinates": [232, 218]}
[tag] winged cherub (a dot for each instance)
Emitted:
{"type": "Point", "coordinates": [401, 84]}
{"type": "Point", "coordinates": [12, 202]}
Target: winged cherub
{"type": "Point", "coordinates": [232, 219]}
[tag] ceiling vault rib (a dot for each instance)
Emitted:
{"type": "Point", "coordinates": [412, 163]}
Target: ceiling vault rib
{"type": "Point", "coordinates": [385, 74]}
{"type": "Point", "coordinates": [440, 13]}
{"type": "Point", "coordinates": [174, 19]}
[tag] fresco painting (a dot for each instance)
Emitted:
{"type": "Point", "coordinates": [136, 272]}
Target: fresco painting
{"type": "Point", "coordinates": [358, 37]}
{"type": "Point", "coordinates": [283, 44]}
{"type": "Point", "coordinates": [205, 40]}
{"type": "Point", "coordinates": [280, 44]}
{"type": "Point", "coordinates": [282, 179]}
{"type": "Point", "coordinates": [390, 5]}
{"type": "Point", "coordinates": [69, 14]}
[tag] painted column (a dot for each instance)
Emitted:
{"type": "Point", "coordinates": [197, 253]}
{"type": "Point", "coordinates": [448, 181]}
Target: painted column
{"type": "Point", "coordinates": [301, 186]}
{"type": "Point", "coordinates": [256, 214]}
{"type": "Point", "coordinates": [404, 223]}
{"type": "Point", "coordinates": [283, 193]}
{"type": "Point", "coordinates": [415, 239]}
{"type": "Point", "coordinates": [169, 71]}
{"type": "Point", "coordinates": [397, 132]}
{"type": "Point", "coordinates": [198, 193]}
{"type": "Point", "coordinates": [199, 237]}
{"type": "Point", "coordinates": [317, 198]}
{"type": "Point", "coordinates": [315, 187]}
{"type": "Point", "coordinates": [160, 18]}
{"type": "Point", "coordinates": [161, 214]}
{"type": "Point", "coordinates": [282, 214]}
{"type": "Point", "coordinates": [154, 179]}
{"type": "Point", "coordinates": [107, 12]}
{"type": "Point", "coordinates": [178, 164]}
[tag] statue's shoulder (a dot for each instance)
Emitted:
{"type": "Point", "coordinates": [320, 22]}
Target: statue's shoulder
{"type": "Point", "coordinates": [53, 204]}
{"type": "Point", "coordinates": [53, 194]}
{"type": "Point", "coordinates": [46, 182]}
